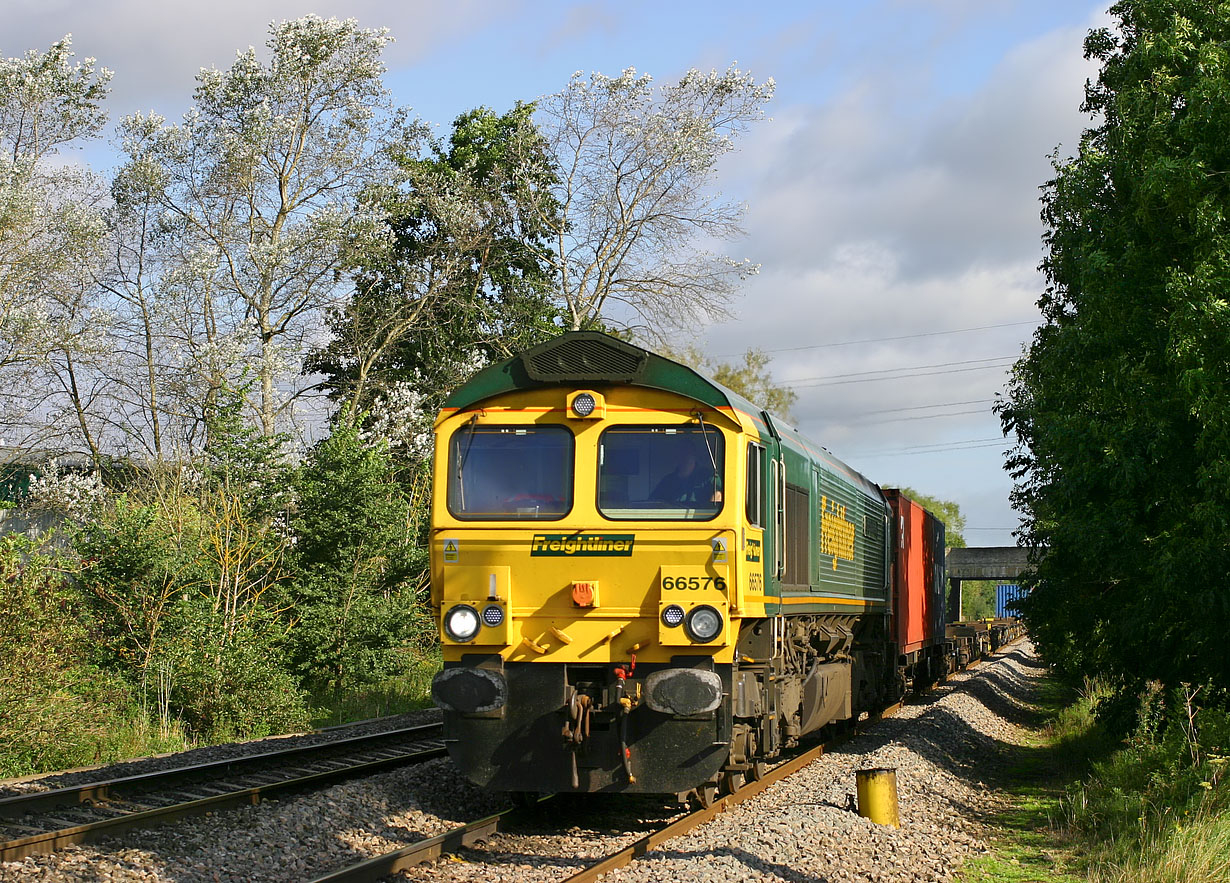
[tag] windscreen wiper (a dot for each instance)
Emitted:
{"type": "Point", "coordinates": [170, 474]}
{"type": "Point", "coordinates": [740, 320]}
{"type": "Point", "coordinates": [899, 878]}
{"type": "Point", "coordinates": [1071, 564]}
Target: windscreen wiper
{"type": "Point", "coordinates": [704, 433]}
{"type": "Point", "coordinates": [461, 461]}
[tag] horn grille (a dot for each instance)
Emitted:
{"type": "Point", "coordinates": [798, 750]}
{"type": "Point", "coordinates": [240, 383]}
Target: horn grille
{"type": "Point", "coordinates": [584, 357]}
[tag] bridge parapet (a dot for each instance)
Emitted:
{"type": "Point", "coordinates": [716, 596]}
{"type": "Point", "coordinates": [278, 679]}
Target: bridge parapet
{"type": "Point", "coordinates": [986, 562]}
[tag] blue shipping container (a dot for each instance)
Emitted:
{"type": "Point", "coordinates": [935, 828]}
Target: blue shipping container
{"type": "Point", "coordinates": [1005, 593]}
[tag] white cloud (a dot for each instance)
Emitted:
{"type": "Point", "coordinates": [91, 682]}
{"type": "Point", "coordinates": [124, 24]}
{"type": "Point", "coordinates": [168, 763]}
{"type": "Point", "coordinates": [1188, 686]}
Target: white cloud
{"type": "Point", "coordinates": [156, 48]}
{"type": "Point", "coordinates": [872, 220]}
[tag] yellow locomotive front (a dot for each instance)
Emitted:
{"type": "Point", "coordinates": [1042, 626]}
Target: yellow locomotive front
{"type": "Point", "coordinates": [589, 569]}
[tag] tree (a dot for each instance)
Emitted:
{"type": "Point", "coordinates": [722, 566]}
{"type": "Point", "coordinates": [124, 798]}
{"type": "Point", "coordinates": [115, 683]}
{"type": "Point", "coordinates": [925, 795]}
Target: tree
{"type": "Point", "coordinates": [632, 198]}
{"type": "Point", "coordinates": [136, 277]}
{"type": "Point", "coordinates": [353, 599]}
{"type": "Point", "coordinates": [50, 231]}
{"type": "Point", "coordinates": [1121, 406]}
{"type": "Point", "coordinates": [265, 176]}
{"type": "Point", "coordinates": [46, 101]}
{"type": "Point", "coordinates": [752, 379]}
{"type": "Point", "coordinates": [462, 284]}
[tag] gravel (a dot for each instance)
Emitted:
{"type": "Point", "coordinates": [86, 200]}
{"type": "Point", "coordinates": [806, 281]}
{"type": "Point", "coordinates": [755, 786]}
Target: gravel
{"type": "Point", "coordinates": [949, 751]}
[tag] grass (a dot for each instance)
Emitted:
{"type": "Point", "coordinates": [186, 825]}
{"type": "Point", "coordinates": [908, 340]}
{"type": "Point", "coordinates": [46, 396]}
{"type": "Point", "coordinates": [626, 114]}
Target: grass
{"type": "Point", "coordinates": [71, 733]}
{"type": "Point", "coordinates": [1084, 805]}
{"type": "Point", "coordinates": [1030, 843]}
{"type": "Point", "coordinates": [409, 691]}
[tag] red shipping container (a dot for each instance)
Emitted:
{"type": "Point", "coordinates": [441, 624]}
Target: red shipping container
{"type": "Point", "coordinates": [919, 579]}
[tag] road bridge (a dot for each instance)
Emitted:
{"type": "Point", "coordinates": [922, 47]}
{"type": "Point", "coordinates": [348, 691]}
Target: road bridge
{"type": "Point", "coordinates": [985, 562]}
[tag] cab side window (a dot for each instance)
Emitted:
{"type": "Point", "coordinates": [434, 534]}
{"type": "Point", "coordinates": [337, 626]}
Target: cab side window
{"type": "Point", "coordinates": [755, 487]}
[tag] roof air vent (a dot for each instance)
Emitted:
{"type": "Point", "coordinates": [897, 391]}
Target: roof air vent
{"type": "Point", "coordinates": [584, 356]}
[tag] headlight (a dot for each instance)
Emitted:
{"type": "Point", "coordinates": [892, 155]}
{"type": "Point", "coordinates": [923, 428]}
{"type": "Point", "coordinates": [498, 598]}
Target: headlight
{"type": "Point", "coordinates": [461, 623]}
{"type": "Point", "coordinates": [703, 624]}
{"type": "Point", "coordinates": [493, 615]}
{"type": "Point", "coordinates": [672, 615]}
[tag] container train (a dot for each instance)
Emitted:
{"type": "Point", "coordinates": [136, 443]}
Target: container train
{"type": "Point", "coordinates": [645, 583]}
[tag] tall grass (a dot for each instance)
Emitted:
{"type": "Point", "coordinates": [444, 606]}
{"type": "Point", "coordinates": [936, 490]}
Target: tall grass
{"type": "Point", "coordinates": [1157, 810]}
{"type": "Point", "coordinates": [408, 691]}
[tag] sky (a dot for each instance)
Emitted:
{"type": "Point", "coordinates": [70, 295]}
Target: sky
{"type": "Point", "coordinates": [892, 194]}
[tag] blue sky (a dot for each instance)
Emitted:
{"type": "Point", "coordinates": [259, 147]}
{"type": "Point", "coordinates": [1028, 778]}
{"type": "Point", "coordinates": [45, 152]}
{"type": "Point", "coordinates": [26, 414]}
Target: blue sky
{"type": "Point", "coordinates": [893, 194]}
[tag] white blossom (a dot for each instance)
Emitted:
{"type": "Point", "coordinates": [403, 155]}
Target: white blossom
{"type": "Point", "coordinates": [65, 492]}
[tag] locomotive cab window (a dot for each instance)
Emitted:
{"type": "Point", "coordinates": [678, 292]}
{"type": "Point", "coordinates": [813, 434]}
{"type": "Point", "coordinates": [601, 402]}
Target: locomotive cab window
{"type": "Point", "coordinates": [755, 475]}
{"type": "Point", "coordinates": [661, 472]}
{"type": "Point", "coordinates": [510, 472]}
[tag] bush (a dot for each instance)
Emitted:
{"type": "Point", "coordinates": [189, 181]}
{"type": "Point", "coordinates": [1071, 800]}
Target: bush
{"type": "Point", "coordinates": [355, 597]}
{"type": "Point", "coordinates": [56, 709]}
{"type": "Point", "coordinates": [231, 684]}
{"type": "Point", "coordinates": [179, 578]}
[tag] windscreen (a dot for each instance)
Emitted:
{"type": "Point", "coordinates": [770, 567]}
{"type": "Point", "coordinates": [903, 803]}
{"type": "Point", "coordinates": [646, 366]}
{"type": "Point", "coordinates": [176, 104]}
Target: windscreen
{"type": "Point", "coordinates": [510, 472]}
{"type": "Point", "coordinates": [660, 472]}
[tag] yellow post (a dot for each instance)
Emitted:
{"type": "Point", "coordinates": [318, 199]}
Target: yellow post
{"type": "Point", "coordinates": [877, 796]}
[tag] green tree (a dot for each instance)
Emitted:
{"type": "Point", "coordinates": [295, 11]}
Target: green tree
{"type": "Point", "coordinates": [463, 282]}
{"type": "Point", "coordinates": [1121, 406]}
{"type": "Point", "coordinates": [751, 379]}
{"type": "Point", "coordinates": [239, 462]}
{"type": "Point", "coordinates": [354, 599]}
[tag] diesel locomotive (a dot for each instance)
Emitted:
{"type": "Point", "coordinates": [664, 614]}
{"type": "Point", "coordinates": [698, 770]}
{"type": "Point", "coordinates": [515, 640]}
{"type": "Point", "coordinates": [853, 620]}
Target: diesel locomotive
{"type": "Point", "coordinates": [645, 583]}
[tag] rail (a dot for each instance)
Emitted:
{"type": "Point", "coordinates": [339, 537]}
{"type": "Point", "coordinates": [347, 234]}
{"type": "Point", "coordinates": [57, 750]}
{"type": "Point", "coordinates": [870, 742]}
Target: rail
{"type": "Point", "coordinates": [313, 766]}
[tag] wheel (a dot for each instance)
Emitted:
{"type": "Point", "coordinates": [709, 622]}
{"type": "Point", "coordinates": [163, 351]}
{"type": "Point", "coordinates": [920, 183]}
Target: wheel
{"type": "Point", "coordinates": [706, 794]}
{"type": "Point", "coordinates": [757, 770]}
{"type": "Point", "coordinates": [732, 781]}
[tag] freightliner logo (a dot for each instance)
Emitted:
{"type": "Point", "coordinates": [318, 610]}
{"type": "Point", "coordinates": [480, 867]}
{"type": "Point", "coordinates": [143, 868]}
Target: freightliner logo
{"type": "Point", "coordinates": [582, 545]}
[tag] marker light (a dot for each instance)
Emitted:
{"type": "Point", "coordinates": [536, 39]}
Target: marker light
{"type": "Point", "coordinates": [461, 623]}
{"type": "Point", "coordinates": [672, 615]}
{"type": "Point", "coordinates": [493, 615]}
{"type": "Point", "coordinates": [703, 624]}
{"type": "Point", "coordinates": [584, 404]}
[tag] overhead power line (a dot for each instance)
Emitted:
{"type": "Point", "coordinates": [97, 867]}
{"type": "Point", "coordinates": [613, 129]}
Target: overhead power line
{"type": "Point", "coordinates": [966, 445]}
{"type": "Point", "coordinates": [817, 346]}
{"type": "Point", "coordinates": [921, 407]}
{"type": "Point", "coordinates": [896, 370]}
{"type": "Point", "coordinates": [899, 373]}
{"type": "Point", "coordinates": [915, 417]}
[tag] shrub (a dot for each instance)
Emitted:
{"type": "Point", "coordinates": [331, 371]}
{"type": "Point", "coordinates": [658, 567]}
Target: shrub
{"type": "Point", "coordinates": [354, 598]}
{"type": "Point", "coordinates": [56, 709]}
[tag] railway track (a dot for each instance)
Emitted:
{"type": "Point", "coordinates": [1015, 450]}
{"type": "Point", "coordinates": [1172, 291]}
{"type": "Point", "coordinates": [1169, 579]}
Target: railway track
{"type": "Point", "coordinates": [48, 820]}
{"type": "Point", "coordinates": [484, 829]}
{"type": "Point", "coordinates": [475, 832]}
